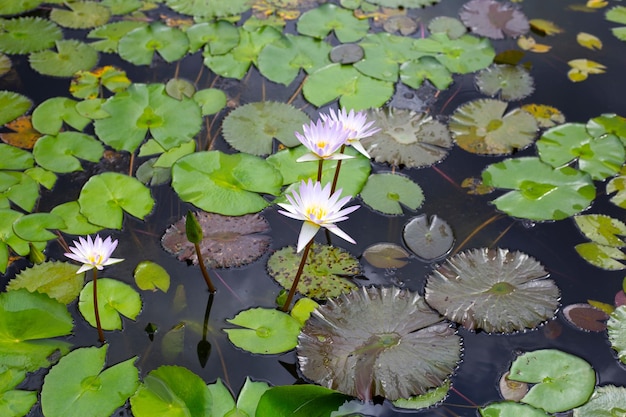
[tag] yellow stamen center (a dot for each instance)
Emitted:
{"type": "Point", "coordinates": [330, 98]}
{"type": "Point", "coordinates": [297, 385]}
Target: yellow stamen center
{"type": "Point", "coordinates": [321, 144]}
{"type": "Point", "coordinates": [316, 212]}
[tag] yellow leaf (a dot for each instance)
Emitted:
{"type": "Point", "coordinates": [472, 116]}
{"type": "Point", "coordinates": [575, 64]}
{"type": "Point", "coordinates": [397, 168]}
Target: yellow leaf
{"type": "Point", "coordinates": [23, 136]}
{"type": "Point", "coordinates": [587, 66]}
{"type": "Point", "coordinates": [607, 308]}
{"type": "Point", "coordinates": [576, 75]}
{"type": "Point", "coordinates": [545, 27]}
{"type": "Point", "coordinates": [529, 44]}
{"type": "Point", "coordinates": [547, 116]}
{"type": "Point", "coordinates": [597, 4]}
{"type": "Point", "coordinates": [589, 41]}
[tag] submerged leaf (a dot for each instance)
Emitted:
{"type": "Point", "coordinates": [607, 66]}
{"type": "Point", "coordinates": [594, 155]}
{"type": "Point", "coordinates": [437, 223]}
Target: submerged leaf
{"type": "Point", "coordinates": [227, 241]}
{"type": "Point", "coordinates": [386, 255]}
{"type": "Point", "coordinates": [494, 19]}
{"type": "Point", "coordinates": [361, 342]}
{"type": "Point", "coordinates": [430, 239]}
{"type": "Point", "coordinates": [493, 290]}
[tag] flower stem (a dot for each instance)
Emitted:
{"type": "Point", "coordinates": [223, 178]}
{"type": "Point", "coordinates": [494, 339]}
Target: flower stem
{"type": "Point", "coordinates": [96, 312]}
{"type": "Point", "coordinates": [292, 291]}
{"type": "Point", "coordinates": [205, 273]}
{"type": "Point", "coordinates": [333, 187]}
{"type": "Point", "coordinates": [320, 165]}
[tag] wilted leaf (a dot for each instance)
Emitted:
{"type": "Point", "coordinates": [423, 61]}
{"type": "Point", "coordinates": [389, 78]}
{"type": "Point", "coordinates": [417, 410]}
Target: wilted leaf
{"type": "Point", "coordinates": [529, 44]}
{"type": "Point", "coordinates": [429, 238]}
{"type": "Point", "coordinates": [581, 68]}
{"type": "Point", "coordinates": [589, 41]}
{"type": "Point", "coordinates": [545, 27]}
{"type": "Point", "coordinates": [23, 136]}
{"type": "Point", "coordinates": [89, 84]}
{"type": "Point", "coordinates": [547, 116]}
{"type": "Point", "coordinates": [597, 4]}
{"type": "Point", "coordinates": [511, 390]}
{"type": "Point", "coordinates": [586, 317]}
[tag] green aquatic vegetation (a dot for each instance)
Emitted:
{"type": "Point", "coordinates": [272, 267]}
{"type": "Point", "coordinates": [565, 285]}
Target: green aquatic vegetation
{"type": "Point", "coordinates": [109, 35]}
{"type": "Point", "coordinates": [150, 276]}
{"type": "Point", "coordinates": [428, 399]}
{"type": "Point", "coordinates": [224, 404]}
{"type": "Point", "coordinates": [461, 55]}
{"type": "Point", "coordinates": [11, 8]}
{"type": "Point", "coordinates": [70, 56]}
{"type": "Point", "coordinates": [63, 152]}
{"type": "Point", "coordinates": [81, 15]}
{"type": "Point", "coordinates": [24, 35]}
{"type": "Point", "coordinates": [451, 26]}
{"type": "Point", "coordinates": [607, 124]}
{"type": "Point", "coordinates": [319, 22]}
{"type": "Point", "coordinates": [429, 238]}
{"type": "Point", "coordinates": [616, 327]}
{"type": "Point", "coordinates": [178, 88]}
{"type": "Point", "coordinates": [414, 73]}
{"type": "Point", "coordinates": [386, 255]}
{"type": "Point", "coordinates": [50, 116]}
{"type": "Point", "coordinates": [208, 9]}
{"type": "Point", "coordinates": [58, 280]}
{"type": "Point", "coordinates": [35, 227]}
{"type": "Point", "coordinates": [605, 399]}
{"type": "Point", "coordinates": [537, 190]}
{"type": "Point", "coordinates": [75, 222]}
{"type": "Point", "coordinates": [14, 402]}
{"type": "Point", "coordinates": [509, 82]}
{"type": "Point", "coordinates": [121, 7]}
{"type": "Point", "coordinates": [139, 45]}
{"type": "Point", "coordinates": [617, 14]}
{"type": "Point", "coordinates": [602, 256]}
{"type": "Point", "coordinates": [601, 229]}
{"type": "Point", "coordinates": [12, 106]}
{"type": "Point", "coordinates": [90, 84]}
{"type": "Point", "coordinates": [78, 385]}
{"type": "Point", "coordinates": [384, 53]}
{"type": "Point", "coordinates": [13, 158]}
{"type": "Point", "coordinates": [210, 100]}
{"type": "Point", "coordinates": [617, 187]}
{"type": "Point", "coordinates": [18, 188]}
{"type": "Point", "coordinates": [511, 409]}
{"type": "Point", "coordinates": [388, 192]}
{"type": "Point", "coordinates": [217, 37]}
{"type": "Point", "coordinates": [299, 400]}
{"type": "Point", "coordinates": [115, 299]}
{"type": "Point", "coordinates": [8, 238]}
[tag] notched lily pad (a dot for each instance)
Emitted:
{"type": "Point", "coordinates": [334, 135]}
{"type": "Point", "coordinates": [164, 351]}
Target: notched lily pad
{"type": "Point", "coordinates": [407, 138]}
{"type": "Point", "coordinates": [386, 255]}
{"type": "Point", "coordinates": [601, 229]}
{"type": "Point", "coordinates": [115, 299]}
{"type": "Point", "coordinates": [430, 239]}
{"type": "Point", "coordinates": [494, 19]}
{"type": "Point", "coordinates": [325, 272]}
{"type": "Point", "coordinates": [387, 192]}
{"type": "Point", "coordinates": [616, 327]}
{"type": "Point", "coordinates": [586, 317]}
{"type": "Point", "coordinates": [227, 241]}
{"type": "Point", "coordinates": [493, 290]}
{"type": "Point", "coordinates": [70, 56]}
{"type": "Point", "coordinates": [56, 279]}
{"type": "Point", "coordinates": [24, 35]}
{"type": "Point", "coordinates": [81, 15]}
{"type": "Point", "coordinates": [510, 82]}
{"type": "Point", "coordinates": [360, 344]}
{"type": "Point", "coordinates": [602, 256]}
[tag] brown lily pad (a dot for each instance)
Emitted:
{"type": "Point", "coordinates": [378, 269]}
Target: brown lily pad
{"type": "Point", "coordinates": [586, 317]}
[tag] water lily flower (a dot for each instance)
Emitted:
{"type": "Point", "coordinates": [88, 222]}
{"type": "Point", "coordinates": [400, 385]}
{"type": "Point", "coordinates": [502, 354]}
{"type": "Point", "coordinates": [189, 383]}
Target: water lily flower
{"type": "Point", "coordinates": [317, 208]}
{"type": "Point", "coordinates": [93, 253]}
{"type": "Point", "coordinates": [355, 124]}
{"type": "Point", "coordinates": [322, 140]}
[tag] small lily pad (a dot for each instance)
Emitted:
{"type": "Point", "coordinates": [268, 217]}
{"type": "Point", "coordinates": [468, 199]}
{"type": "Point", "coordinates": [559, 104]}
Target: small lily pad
{"type": "Point", "coordinates": [209, 9]}
{"type": "Point", "coordinates": [325, 272]}
{"type": "Point", "coordinates": [34, 227]}
{"type": "Point", "coordinates": [348, 53]}
{"type": "Point", "coordinates": [388, 192]}
{"type": "Point", "coordinates": [178, 88]}
{"type": "Point", "coordinates": [300, 400]}
{"type": "Point", "coordinates": [90, 84]}
{"type": "Point", "coordinates": [511, 390]}
{"type": "Point", "coordinates": [413, 73]}
{"type": "Point", "coordinates": [139, 45]}
{"type": "Point", "coordinates": [494, 19]}
{"type": "Point", "coordinates": [493, 289]}
{"type": "Point", "coordinates": [210, 100]}
{"type": "Point", "coordinates": [227, 241]}
{"type": "Point", "coordinates": [81, 15]}
{"type": "Point", "coordinates": [430, 239]}
{"type": "Point", "coordinates": [586, 317]}
{"type": "Point", "coordinates": [151, 276]}
{"type": "Point", "coordinates": [12, 106]}
{"type": "Point", "coordinates": [110, 34]}
{"type": "Point", "coordinates": [386, 255]}
{"type": "Point", "coordinates": [451, 26]}
{"type": "Point", "coordinates": [24, 35]}
{"type": "Point", "coordinates": [61, 153]}
{"type": "Point", "coordinates": [265, 331]}
{"type": "Point", "coordinates": [219, 37]}
{"type": "Point", "coordinates": [607, 124]}
{"type": "Point", "coordinates": [49, 116]}
{"type": "Point", "coordinates": [58, 280]}
{"type": "Point", "coordinates": [70, 57]}
{"type": "Point", "coordinates": [115, 298]}
{"type": "Point", "coordinates": [510, 82]}
{"type": "Point", "coordinates": [319, 22]}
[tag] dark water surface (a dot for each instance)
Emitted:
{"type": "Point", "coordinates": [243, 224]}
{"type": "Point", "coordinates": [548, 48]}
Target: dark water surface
{"type": "Point", "coordinates": [486, 357]}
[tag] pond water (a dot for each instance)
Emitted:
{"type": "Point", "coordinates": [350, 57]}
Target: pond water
{"type": "Point", "coordinates": [485, 356]}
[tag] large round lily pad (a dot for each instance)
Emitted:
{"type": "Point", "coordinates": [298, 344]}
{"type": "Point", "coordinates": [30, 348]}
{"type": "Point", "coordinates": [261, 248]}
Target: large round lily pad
{"type": "Point", "coordinates": [70, 57]}
{"type": "Point", "coordinates": [494, 19]}
{"type": "Point", "coordinates": [325, 272]}
{"type": "Point", "coordinates": [493, 290]}
{"type": "Point", "coordinates": [81, 15]}
{"type": "Point", "coordinates": [360, 344]}
{"type": "Point", "coordinates": [139, 45]}
{"type": "Point", "coordinates": [24, 35]}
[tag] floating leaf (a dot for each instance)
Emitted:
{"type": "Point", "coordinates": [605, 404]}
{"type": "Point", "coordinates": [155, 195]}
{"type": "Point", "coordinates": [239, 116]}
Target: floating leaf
{"type": "Point", "coordinates": [139, 45]}
{"type": "Point", "coordinates": [462, 55]}
{"type": "Point", "coordinates": [252, 127]}
{"type": "Point", "coordinates": [617, 332]}
{"type": "Point", "coordinates": [430, 239]}
{"type": "Point", "coordinates": [527, 43]}
{"type": "Point", "coordinates": [299, 400]}
{"type": "Point", "coordinates": [70, 56]}
{"type": "Point", "coordinates": [14, 402]}
{"type": "Point", "coordinates": [61, 153]}
{"type": "Point", "coordinates": [348, 53]}
{"type": "Point", "coordinates": [502, 291]}
{"type": "Point", "coordinates": [431, 397]}
{"type": "Point", "coordinates": [32, 227]}
{"type": "Point", "coordinates": [600, 157]}
{"type": "Point", "coordinates": [178, 88]}
{"type": "Point", "coordinates": [27, 321]}
{"type": "Point", "coordinates": [58, 280]}
{"type": "Point", "coordinates": [385, 192]}
{"type": "Point", "coordinates": [227, 241]}
{"type": "Point", "coordinates": [482, 127]}
{"type": "Point", "coordinates": [225, 184]}
{"type": "Point", "coordinates": [602, 256]}
{"type": "Point", "coordinates": [545, 27]}
{"type": "Point", "coordinates": [451, 26]}
{"type": "Point", "coordinates": [210, 100]}
{"type": "Point", "coordinates": [151, 276]}
{"type": "Point", "coordinates": [319, 22]}
{"type": "Point", "coordinates": [89, 84]}
{"type": "Point", "coordinates": [23, 136]}
{"type": "Point", "coordinates": [511, 390]}
{"type": "Point", "coordinates": [12, 106]}
{"type": "Point", "coordinates": [589, 41]}
{"type": "Point", "coordinates": [24, 35]}
{"type": "Point", "coordinates": [383, 54]}
{"type": "Point", "coordinates": [493, 19]}
{"type": "Point", "coordinates": [42, 176]}
{"type": "Point", "coordinates": [606, 399]}
{"type": "Point", "coordinates": [538, 191]}
{"type": "Point", "coordinates": [607, 124]}
{"type": "Point", "coordinates": [602, 229]}
{"type": "Point", "coordinates": [115, 298]}
{"type": "Point", "coordinates": [109, 35]}
{"type": "Point", "coordinates": [581, 68]}
{"type": "Point", "coordinates": [77, 385]}
{"type": "Point", "coordinates": [219, 37]}
{"type": "Point", "coordinates": [75, 222]}
{"type": "Point", "coordinates": [82, 15]}
{"type": "Point", "coordinates": [386, 255]}
{"type": "Point", "coordinates": [547, 116]}
{"type": "Point", "coordinates": [324, 275]}
{"type": "Point", "coordinates": [265, 331]}
{"type": "Point", "coordinates": [407, 138]}
{"type": "Point", "coordinates": [562, 381]}
{"type": "Point", "coordinates": [20, 189]}
{"type": "Point", "coordinates": [617, 185]}
{"type": "Point", "coordinates": [209, 9]}
{"type": "Point", "coordinates": [360, 343]}
{"type": "Point", "coordinates": [11, 8]}
{"type": "Point", "coordinates": [49, 116]}
{"type": "Point", "coordinates": [510, 82]}
{"type": "Point", "coordinates": [511, 409]}
{"type": "Point", "coordinates": [586, 317]}
{"type": "Point", "coordinates": [616, 14]}
{"type": "Point", "coordinates": [105, 197]}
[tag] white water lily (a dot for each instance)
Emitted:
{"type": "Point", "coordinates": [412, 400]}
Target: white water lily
{"type": "Point", "coordinates": [93, 253]}
{"type": "Point", "coordinates": [355, 124]}
{"type": "Point", "coordinates": [323, 140]}
{"type": "Point", "coordinates": [317, 208]}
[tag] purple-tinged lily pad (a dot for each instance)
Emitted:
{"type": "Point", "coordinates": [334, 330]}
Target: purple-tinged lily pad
{"type": "Point", "coordinates": [228, 241]}
{"type": "Point", "coordinates": [494, 290]}
{"type": "Point", "coordinates": [494, 19]}
{"type": "Point", "coordinates": [430, 239]}
{"type": "Point", "coordinates": [586, 317]}
{"type": "Point", "coordinates": [360, 344]}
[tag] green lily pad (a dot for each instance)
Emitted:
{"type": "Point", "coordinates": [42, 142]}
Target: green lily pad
{"type": "Point", "coordinates": [105, 197]}
{"type": "Point", "coordinates": [13, 158]}
{"type": "Point", "coordinates": [61, 153]}
{"type": "Point", "coordinates": [607, 124]}
{"type": "Point", "coordinates": [75, 222]}
{"type": "Point", "coordinates": [70, 57]}
{"type": "Point", "coordinates": [139, 45]}
{"type": "Point", "coordinates": [77, 385]}
{"type": "Point", "coordinates": [353, 89]}
{"type": "Point", "coordinates": [602, 229]}
{"type": "Point", "coordinates": [92, 108]}
{"type": "Point", "coordinates": [121, 7]}
{"type": "Point", "coordinates": [265, 331]}
{"type": "Point", "coordinates": [319, 22]}
{"type": "Point", "coordinates": [510, 82]}
{"type": "Point", "coordinates": [151, 276]}
{"type": "Point", "coordinates": [11, 8]}
{"type": "Point", "coordinates": [502, 291]}
{"type": "Point", "coordinates": [152, 175]}
{"type": "Point", "coordinates": [115, 298]}
{"type": "Point", "coordinates": [602, 256]}
{"type": "Point", "coordinates": [386, 255]}
{"type": "Point", "coordinates": [605, 400]}
{"type": "Point", "coordinates": [482, 127]}
{"type": "Point", "coordinates": [5, 64]}
{"type": "Point", "coordinates": [562, 381]}
{"type": "Point", "coordinates": [20, 189]}
{"type": "Point", "coordinates": [383, 53]}
{"type": "Point", "coordinates": [219, 37]}
{"type": "Point", "coordinates": [32, 227]}
{"type": "Point", "coordinates": [49, 116]}
{"type": "Point", "coordinates": [27, 321]}
{"type": "Point", "coordinates": [24, 35]}
{"type": "Point", "coordinates": [209, 8]}
{"type": "Point", "coordinates": [388, 192]}
{"type": "Point", "coordinates": [538, 191]}
{"type": "Point", "coordinates": [403, 3]}
{"type": "Point", "coordinates": [12, 106]}
{"type": "Point", "coordinates": [511, 409]}
{"type": "Point", "coordinates": [325, 272]}
{"type": "Point", "coordinates": [144, 108]}
{"type": "Point", "coordinates": [616, 327]}
{"type": "Point", "coordinates": [173, 391]}
{"type": "Point", "coordinates": [601, 157]}
{"type": "Point", "coordinates": [249, 396]}
{"type": "Point", "coordinates": [252, 127]}
{"type": "Point", "coordinates": [8, 238]}
{"type": "Point", "coordinates": [617, 185]}
{"type": "Point", "coordinates": [451, 26]}
{"type": "Point", "coordinates": [413, 73]}
{"type": "Point", "coordinates": [110, 34]}
{"type": "Point", "coordinates": [225, 184]}
{"type": "Point", "coordinates": [178, 88]}
{"type": "Point", "coordinates": [90, 84]}
{"type": "Point", "coordinates": [82, 15]}
{"type": "Point", "coordinates": [430, 239]}
{"type": "Point", "coordinates": [431, 397]}
{"type": "Point", "coordinates": [462, 55]}
{"type": "Point", "coordinates": [14, 402]}
{"type": "Point", "coordinates": [347, 53]}
{"type": "Point", "coordinates": [210, 100]}
{"type": "Point", "coordinates": [58, 280]}
{"type": "Point", "coordinates": [281, 60]}
{"type": "Point", "coordinates": [42, 176]}
{"type": "Point", "coordinates": [300, 401]}
{"type": "Point", "coordinates": [223, 401]}
{"type": "Point", "coordinates": [407, 138]}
